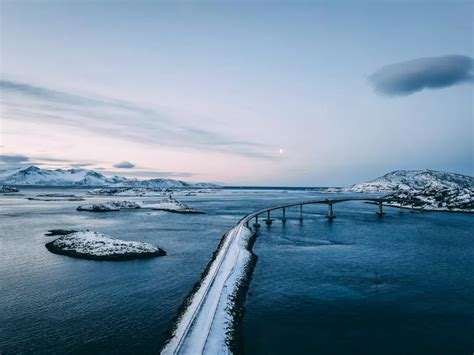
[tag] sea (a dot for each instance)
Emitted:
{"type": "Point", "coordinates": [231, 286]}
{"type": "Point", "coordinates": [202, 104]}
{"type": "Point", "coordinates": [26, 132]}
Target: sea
{"type": "Point", "coordinates": [359, 284]}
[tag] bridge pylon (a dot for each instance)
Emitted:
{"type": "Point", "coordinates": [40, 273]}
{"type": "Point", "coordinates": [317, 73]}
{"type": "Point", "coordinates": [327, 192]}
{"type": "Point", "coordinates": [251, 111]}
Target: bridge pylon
{"type": "Point", "coordinates": [256, 224]}
{"type": "Point", "coordinates": [330, 214]}
{"type": "Point", "coordinates": [283, 218]}
{"type": "Point", "coordinates": [380, 212]}
{"type": "Point", "coordinates": [300, 218]}
{"type": "Point", "coordinates": [268, 221]}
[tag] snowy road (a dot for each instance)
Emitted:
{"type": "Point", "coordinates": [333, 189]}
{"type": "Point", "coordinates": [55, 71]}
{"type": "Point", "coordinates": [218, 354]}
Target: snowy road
{"type": "Point", "coordinates": [202, 327]}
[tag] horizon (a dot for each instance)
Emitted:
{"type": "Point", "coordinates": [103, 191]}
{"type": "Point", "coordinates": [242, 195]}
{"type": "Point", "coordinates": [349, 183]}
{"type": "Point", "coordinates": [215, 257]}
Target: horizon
{"type": "Point", "coordinates": [223, 185]}
{"type": "Point", "coordinates": [264, 94]}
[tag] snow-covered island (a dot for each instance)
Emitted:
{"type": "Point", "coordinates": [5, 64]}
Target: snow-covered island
{"type": "Point", "coordinates": [109, 206]}
{"type": "Point", "coordinates": [5, 189]}
{"type": "Point", "coordinates": [99, 246]}
{"type": "Point", "coordinates": [55, 197]}
{"type": "Point", "coordinates": [128, 191]}
{"type": "Point", "coordinates": [424, 189]}
{"type": "Point", "coordinates": [167, 204]}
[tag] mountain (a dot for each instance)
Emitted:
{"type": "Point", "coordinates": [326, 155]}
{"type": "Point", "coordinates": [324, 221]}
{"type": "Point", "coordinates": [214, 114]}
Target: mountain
{"type": "Point", "coordinates": [415, 180]}
{"type": "Point", "coordinates": [35, 176]}
{"type": "Point", "coordinates": [424, 189]}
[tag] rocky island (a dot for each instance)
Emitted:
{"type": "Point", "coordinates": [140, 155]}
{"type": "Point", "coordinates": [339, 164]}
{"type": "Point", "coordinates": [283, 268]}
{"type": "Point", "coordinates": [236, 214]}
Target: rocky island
{"type": "Point", "coordinates": [98, 246]}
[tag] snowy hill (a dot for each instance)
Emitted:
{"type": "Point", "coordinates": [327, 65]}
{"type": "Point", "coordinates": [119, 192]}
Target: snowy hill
{"type": "Point", "coordinates": [415, 180]}
{"type": "Point", "coordinates": [425, 189]}
{"type": "Point", "coordinates": [35, 176]}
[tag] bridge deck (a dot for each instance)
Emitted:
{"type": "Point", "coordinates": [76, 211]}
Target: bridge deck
{"type": "Point", "coordinates": [318, 201]}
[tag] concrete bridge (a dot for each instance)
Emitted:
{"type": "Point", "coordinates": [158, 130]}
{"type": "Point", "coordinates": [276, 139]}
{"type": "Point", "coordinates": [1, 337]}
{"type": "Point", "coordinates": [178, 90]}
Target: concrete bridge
{"type": "Point", "coordinates": [266, 212]}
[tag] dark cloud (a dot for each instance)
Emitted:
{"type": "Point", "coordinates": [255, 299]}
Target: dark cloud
{"type": "Point", "coordinates": [13, 159]}
{"type": "Point", "coordinates": [118, 119]}
{"type": "Point", "coordinates": [124, 165]}
{"type": "Point", "coordinates": [406, 78]}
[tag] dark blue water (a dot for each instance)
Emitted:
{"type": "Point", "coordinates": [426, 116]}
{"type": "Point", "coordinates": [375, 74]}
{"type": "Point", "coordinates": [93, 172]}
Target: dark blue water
{"type": "Point", "coordinates": [401, 284]}
{"type": "Point", "coordinates": [51, 303]}
{"type": "Point", "coordinates": [359, 284]}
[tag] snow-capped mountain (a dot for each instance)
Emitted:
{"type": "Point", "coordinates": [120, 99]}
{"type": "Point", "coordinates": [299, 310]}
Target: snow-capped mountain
{"type": "Point", "coordinates": [33, 175]}
{"type": "Point", "coordinates": [425, 189]}
{"type": "Point", "coordinates": [415, 180]}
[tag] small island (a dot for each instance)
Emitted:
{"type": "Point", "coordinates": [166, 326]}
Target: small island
{"type": "Point", "coordinates": [98, 246]}
{"type": "Point", "coordinates": [128, 191]}
{"type": "Point", "coordinates": [55, 197]}
{"type": "Point", "coordinates": [5, 189]}
{"type": "Point", "coordinates": [168, 204]}
{"type": "Point", "coordinates": [109, 206]}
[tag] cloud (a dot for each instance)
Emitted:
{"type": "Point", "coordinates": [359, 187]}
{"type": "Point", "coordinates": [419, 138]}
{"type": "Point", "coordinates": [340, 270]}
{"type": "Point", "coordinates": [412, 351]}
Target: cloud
{"type": "Point", "coordinates": [124, 165]}
{"type": "Point", "coordinates": [117, 119]}
{"type": "Point", "coordinates": [408, 77]}
{"type": "Point", "coordinates": [80, 165]}
{"type": "Point", "coordinates": [12, 161]}
{"type": "Point", "coordinates": [13, 158]}
{"type": "Point", "coordinates": [150, 173]}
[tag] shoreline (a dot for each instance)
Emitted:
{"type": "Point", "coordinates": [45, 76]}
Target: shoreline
{"type": "Point", "coordinates": [419, 209]}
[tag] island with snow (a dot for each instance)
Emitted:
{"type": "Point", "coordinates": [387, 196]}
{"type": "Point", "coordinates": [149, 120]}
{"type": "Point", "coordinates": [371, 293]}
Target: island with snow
{"type": "Point", "coordinates": [167, 204]}
{"type": "Point", "coordinates": [98, 246]}
{"type": "Point", "coordinates": [128, 191]}
{"type": "Point", "coordinates": [5, 189]}
{"type": "Point", "coordinates": [55, 197]}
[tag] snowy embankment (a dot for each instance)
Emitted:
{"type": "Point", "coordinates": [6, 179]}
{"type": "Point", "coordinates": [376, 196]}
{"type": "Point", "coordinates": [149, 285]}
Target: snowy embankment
{"type": "Point", "coordinates": [99, 246]}
{"type": "Point", "coordinates": [167, 204]}
{"type": "Point", "coordinates": [207, 323]}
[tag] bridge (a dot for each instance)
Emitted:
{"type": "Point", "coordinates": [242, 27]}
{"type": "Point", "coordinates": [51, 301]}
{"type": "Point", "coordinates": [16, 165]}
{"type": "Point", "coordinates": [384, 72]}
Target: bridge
{"type": "Point", "coordinates": [329, 202]}
{"type": "Point", "coordinates": [201, 328]}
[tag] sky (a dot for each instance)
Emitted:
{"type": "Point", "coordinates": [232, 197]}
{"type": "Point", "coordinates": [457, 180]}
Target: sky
{"type": "Point", "coordinates": [325, 93]}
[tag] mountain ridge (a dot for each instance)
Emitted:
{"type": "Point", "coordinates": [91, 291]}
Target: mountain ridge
{"type": "Point", "coordinates": [414, 179]}
{"type": "Point", "coordinates": [35, 176]}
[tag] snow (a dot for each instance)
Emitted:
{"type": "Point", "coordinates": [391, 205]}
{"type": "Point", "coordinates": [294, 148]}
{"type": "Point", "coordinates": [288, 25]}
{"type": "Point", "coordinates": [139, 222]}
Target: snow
{"type": "Point", "coordinates": [33, 175]}
{"type": "Point", "coordinates": [89, 243]}
{"type": "Point", "coordinates": [109, 206]}
{"type": "Point", "coordinates": [7, 189]}
{"type": "Point", "coordinates": [127, 192]}
{"type": "Point", "coordinates": [204, 325]}
{"type": "Point", "coordinates": [414, 179]}
{"type": "Point", "coordinates": [166, 204]}
{"type": "Point", "coordinates": [437, 199]}
{"type": "Point", "coordinates": [425, 189]}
